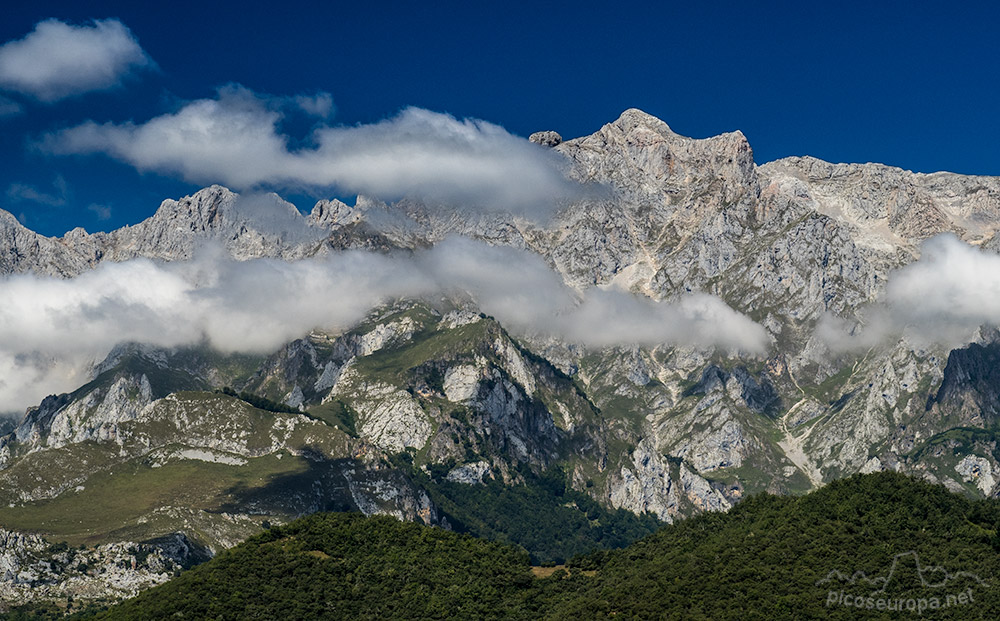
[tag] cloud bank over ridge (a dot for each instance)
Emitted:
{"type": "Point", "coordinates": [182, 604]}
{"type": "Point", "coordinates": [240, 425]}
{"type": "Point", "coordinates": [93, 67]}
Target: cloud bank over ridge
{"type": "Point", "coordinates": [236, 139]}
{"type": "Point", "coordinates": [943, 298]}
{"type": "Point", "coordinates": [52, 329]}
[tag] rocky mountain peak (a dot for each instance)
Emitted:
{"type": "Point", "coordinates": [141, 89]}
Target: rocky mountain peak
{"type": "Point", "coordinates": [9, 221]}
{"type": "Point", "coordinates": [546, 138]}
{"type": "Point", "coordinates": [197, 212]}
{"type": "Point", "coordinates": [23, 250]}
{"type": "Point", "coordinates": [331, 213]}
{"type": "Point", "coordinates": [248, 226]}
{"type": "Point", "coordinates": [77, 233]}
{"type": "Point", "coordinates": [634, 118]}
{"type": "Point", "coordinates": [645, 129]}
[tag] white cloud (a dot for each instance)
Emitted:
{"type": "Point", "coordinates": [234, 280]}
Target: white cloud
{"type": "Point", "coordinates": [58, 60]}
{"type": "Point", "coordinates": [25, 379]}
{"type": "Point", "coordinates": [50, 328]}
{"type": "Point", "coordinates": [269, 212]}
{"type": "Point", "coordinates": [234, 140]}
{"type": "Point", "coordinates": [9, 107]}
{"type": "Point", "coordinates": [319, 105]}
{"type": "Point", "coordinates": [607, 318]}
{"type": "Point", "coordinates": [942, 298]}
{"type": "Point", "coordinates": [101, 212]}
{"type": "Point", "coordinates": [231, 140]}
{"type": "Point", "coordinates": [520, 290]}
{"type": "Point", "coordinates": [237, 306]}
{"type": "Point", "coordinates": [18, 192]}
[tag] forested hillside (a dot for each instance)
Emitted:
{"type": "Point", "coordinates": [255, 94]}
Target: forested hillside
{"type": "Point", "coordinates": [922, 550]}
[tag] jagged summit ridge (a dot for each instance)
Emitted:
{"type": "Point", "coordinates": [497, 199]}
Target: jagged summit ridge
{"type": "Point", "coordinates": [246, 226]}
{"type": "Point", "coordinates": [649, 166]}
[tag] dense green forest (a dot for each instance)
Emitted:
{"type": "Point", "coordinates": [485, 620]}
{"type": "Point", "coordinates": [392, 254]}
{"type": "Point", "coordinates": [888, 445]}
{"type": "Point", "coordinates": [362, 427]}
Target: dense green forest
{"type": "Point", "coordinates": [772, 558]}
{"type": "Point", "coordinates": [347, 566]}
{"type": "Point", "coordinates": [545, 516]}
{"type": "Point", "coordinates": [919, 547]}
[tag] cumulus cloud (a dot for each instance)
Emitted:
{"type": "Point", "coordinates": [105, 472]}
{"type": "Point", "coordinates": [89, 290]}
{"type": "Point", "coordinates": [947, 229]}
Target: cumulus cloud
{"type": "Point", "coordinates": [235, 140]}
{"type": "Point", "coordinates": [51, 329]}
{"type": "Point", "coordinates": [943, 298]}
{"type": "Point", "coordinates": [58, 60]}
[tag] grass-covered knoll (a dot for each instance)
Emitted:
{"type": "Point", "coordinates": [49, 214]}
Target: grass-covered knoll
{"type": "Point", "coordinates": [198, 453]}
{"type": "Point", "coordinates": [397, 365]}
{"type": "Point", "coordinates": [259, 402]}
{"type": "Point", "coordinates": [338, 415]}
{"type": "Point", "coordinates": [765, 559]}
{"type": "Point", "coordinates": [122, 502]}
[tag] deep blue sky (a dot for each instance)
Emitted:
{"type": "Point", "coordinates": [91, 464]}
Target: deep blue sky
{"type": "Point", "coordinates": [909, 84]}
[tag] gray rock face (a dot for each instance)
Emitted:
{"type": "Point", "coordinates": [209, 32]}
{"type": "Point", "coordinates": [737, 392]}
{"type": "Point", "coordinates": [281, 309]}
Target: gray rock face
{"type": "Point", "coordinates": [969, 384]}
{"type": "Point", "coordinates": [979, 471]}
{"type": "Point", "coordinates": [31, 568]}
{"type": "Point", "coordinates": [389, 417]}
{"type": "Point", "coordinates": [651, 483]}
{"type": "Point", "coordinates": [96, 417]}
{"type": "Point", "coordinates": [701, 493]}
{"type": "Point", "coordinates": [759, 394]}
{"type": "Point", "coordinates": [461, 383]}
{"type": "Point", "coordinates": [22, 250]}
{"type": "Point", "coordinates": [893, 207]}
{"type": "Point", "coordinates": [546, 138]}
{"type": "Point", "coordinates": [470, 474]}
{"type": "Point", "coordinates": [645, 485]}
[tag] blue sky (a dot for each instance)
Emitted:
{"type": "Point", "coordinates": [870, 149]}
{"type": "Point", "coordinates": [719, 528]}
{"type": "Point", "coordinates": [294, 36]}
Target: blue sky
{"type": "Point", "coordinates": [909, 84]}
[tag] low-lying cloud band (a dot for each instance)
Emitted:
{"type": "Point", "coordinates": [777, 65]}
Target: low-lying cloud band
{"type": "Point", "coordinates": [941, 299]}
{"type": "Point", "coordinates": [51, 329]}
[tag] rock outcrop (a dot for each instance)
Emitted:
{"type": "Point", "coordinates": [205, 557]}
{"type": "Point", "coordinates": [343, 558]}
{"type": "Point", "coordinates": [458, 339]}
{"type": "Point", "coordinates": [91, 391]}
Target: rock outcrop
{"type": "Point", "coordinates": [32, 568]}
{"type": "Point", "coordinates": [546, 138]}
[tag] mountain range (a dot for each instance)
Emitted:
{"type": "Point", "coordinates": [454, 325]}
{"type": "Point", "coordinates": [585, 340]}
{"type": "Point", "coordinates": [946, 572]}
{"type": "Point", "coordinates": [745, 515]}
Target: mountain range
{"type": "Point", "coordinates": [424, 397]}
